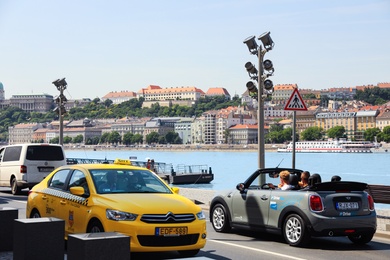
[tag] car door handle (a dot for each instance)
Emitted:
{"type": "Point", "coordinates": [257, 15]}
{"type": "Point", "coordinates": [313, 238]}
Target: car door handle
{"type": "Point", "coordinates": [44, 197]}
{"type": "Point", "coordinates": [63, 202]}
{"type": "Point", "coordinates": [264, 197]}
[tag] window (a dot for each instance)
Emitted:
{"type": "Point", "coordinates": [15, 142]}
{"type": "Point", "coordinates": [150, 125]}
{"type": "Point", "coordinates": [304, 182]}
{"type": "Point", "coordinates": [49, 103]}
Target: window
{"type": "Point", "coordinates": [78, 180]}
{"type": "Point", "coordinates": [12, 153]}
{"type": "Point", "coordinates": [44, 153]}
{"type": "Point", "coordinates": [58, 179]}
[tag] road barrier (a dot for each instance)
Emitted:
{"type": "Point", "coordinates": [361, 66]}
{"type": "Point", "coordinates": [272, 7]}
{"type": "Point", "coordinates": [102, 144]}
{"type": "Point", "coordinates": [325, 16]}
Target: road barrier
{"type": "Point", "coordinates": [7, 218]}
{"type": "Point", "coordinates": [380, 193]}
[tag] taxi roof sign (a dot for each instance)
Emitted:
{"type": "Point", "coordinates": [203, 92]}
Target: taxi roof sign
{"type": "Point", "coordinates": [122, 161]}
{"type": "Point", "coordinates": [295, 102]}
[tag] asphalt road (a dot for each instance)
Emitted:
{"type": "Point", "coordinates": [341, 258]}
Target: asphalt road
{"type": "Point", "coordinates": [251, 245]}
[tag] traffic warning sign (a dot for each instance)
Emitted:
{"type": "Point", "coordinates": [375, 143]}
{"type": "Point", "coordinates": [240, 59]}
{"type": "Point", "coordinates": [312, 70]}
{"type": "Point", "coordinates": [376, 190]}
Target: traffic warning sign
{"type": "Point", "coordinates": [295, 102]}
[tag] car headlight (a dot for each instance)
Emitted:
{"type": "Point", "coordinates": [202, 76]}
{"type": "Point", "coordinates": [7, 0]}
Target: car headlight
{"type": "Point", "coordinates": [200, 215]}
{"type": "Point", "coordinates": [120, 215]}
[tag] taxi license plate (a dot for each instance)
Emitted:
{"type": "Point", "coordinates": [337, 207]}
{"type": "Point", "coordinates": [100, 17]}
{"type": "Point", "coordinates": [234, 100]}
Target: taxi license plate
{"type": "Point", "coordinates": [171, 231]}
{"type": "Point", "coordinates": [347, 205]}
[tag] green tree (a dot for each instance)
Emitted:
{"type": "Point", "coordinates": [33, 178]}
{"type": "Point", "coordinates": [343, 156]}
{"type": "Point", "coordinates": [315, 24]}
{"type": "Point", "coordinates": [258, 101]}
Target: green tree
{"type": "Point", "coordinates": [336, 132]}
{"type": "Point", "coordinates": [55, 140]}
{"type": "Point", "coordinates": [312, 133]}
{"type": "Point", "coordinates": [371, 133]}
{"type": "Point", "coordinates": [114, 138]}
{"type": "Point", "coordinates": [137, 139]}
{"type": "Point", "coordinates": [104, 138]}
{"type": "Point", "coordinates": [152, 138]}
{"type": "Point", "coordinates": [128, 138]}
{"type": "Point", "coordinates": [67, 139]}
{"type": "Point", "coordinates": [78, 139]}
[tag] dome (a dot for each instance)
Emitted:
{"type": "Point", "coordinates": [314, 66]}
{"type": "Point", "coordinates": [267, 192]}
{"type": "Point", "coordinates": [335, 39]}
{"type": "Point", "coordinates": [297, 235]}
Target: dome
{"type": "Point", "coordinates": [1, 86]}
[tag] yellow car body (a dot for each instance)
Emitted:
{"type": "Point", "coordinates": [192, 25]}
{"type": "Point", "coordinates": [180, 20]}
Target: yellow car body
{"type": "Point", "coordinates": [153, 214]}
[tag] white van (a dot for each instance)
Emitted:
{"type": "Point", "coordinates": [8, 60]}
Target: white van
{"type": "Point", "coordinates": [24, 165]}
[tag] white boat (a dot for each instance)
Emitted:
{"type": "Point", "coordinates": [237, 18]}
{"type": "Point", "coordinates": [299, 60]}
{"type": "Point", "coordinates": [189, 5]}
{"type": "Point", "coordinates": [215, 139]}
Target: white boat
{"type": "Point", "coordinates": [330, 146]}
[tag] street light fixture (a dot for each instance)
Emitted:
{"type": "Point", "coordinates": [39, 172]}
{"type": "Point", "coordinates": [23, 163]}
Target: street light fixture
{"type": "Point", "coordinates": [60, 109]}
{"type": "Point", "coordinates": [265, 88]}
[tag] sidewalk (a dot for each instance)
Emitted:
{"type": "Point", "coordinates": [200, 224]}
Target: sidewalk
{"type": "Point", "coordinates": [204, 197]}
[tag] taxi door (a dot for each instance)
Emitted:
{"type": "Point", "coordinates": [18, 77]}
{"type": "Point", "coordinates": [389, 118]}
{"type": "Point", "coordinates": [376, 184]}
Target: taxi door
{"type": "Point", "coordinates": [75, 210]}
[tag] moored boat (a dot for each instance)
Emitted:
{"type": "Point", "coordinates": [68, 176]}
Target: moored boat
{"type": "Point", "coordinates": [330, 146]}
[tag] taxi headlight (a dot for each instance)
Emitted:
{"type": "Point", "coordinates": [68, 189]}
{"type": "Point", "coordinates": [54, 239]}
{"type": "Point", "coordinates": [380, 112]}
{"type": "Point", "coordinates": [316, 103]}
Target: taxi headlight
{"type": "Point", "coordinates": [120, 215]}
{"type": "Point", "coordinates": [200, 215]}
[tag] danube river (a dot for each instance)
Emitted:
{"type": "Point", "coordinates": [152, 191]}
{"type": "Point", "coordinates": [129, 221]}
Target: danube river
{"type": "Point", "coordinates": [230, 168]}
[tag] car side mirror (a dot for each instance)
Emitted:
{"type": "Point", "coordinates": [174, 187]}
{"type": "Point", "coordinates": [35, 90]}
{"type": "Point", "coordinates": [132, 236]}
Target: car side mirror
{"type": "Point", "coordinates": [79, 191]}
{"type": "Point", "coordinates": [241, 187]}
{"type": "Point", "coordinates": [175, 190]}
{"type": "Point", "coordinates": [273, 175]}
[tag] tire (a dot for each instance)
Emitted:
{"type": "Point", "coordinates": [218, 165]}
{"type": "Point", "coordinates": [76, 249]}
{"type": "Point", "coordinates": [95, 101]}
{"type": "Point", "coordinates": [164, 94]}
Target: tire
{"type": "Point", "coordinates": [294, 231]}
{"type": "Point", "coordinates": [361, 239]}
{"type": "Point", "coordinates": [189, 253]}
{"type": "Point", "coordinates": [95, 227]}
{"type": "Point", "coordinates": [14, 187]}
{"type": "Point", "coordinates": [35, 214]}
{"type": "Point", "coordinates": [220, 219]}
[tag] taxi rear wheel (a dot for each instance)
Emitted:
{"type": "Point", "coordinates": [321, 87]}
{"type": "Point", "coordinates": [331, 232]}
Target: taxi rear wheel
{"type": "Point", "coordinates": [95, 227]}
{"type": "Point", "coordinates": [35, 214]}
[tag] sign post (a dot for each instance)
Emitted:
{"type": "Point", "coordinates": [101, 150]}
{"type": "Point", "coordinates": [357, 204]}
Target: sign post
{"type": "Point", "coordinates": [295, 103]}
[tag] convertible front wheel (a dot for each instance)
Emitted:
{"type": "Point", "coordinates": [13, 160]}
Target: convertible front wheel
{"type": "Point", "coordinates": [294, 231]}
{"type": "Point", "coordinates": [220, 219]}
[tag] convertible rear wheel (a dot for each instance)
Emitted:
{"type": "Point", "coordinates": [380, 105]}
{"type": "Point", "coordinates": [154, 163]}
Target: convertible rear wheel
{"type": "Point", "coordinates": [294, 231]}
{"type": "Point", "coordinates": [361, 239]}
{"type": "Point", "coordinates": [220, 219]}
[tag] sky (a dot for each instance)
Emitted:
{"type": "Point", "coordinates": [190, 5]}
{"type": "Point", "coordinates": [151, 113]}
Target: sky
{"type": "Point", "coordinates": [118, 45]}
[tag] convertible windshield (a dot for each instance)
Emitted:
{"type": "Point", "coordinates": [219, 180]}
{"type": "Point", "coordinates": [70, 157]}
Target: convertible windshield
{"type": "Point", "coordinates": [127, 181]}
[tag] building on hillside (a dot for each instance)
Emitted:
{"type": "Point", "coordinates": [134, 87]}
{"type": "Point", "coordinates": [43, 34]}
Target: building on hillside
{"type": "Point", "coordinates": [2, 92]}
{"type": "Point", "coordinates": [218, 92]}
{"type": "Point", "coordinates": [183, 129]}
{"type": "Point", "coordinates": [40, 103]}
{"type": "Point", "coordinates": [305, 119]}
{"type": "Point", "coordinates": [243, 134]}
{"type": "Point", "coordinates": [210, 125]}
{"type": "Point", "coordinates": [364, 121]}
{"type": "Point", "coordinates": [118, 97]}
{"type": "Point", "coordinates": [85, 132]}
{"type": "Point", "coordinates": [130, 125]}
{"type": "Point", "coordinates": [227, 117]}
{"type": "Point", "coordinates": [383, 119]}
{"type": "Point", "coordinates": [384, 85]}
{"type": "Point", "coordinates": [156, 93]}
{"type": "Point", "coordinates": [282, 93]}
{"type": "Point", "coordinates": [328, 120]}
{"type": "Point", "coordinates": [23, 133]}
{"type": "Point", "coordinates": [160, 125]}
{"type": "Point", "coordinates": [276, 111]}
{"type": "Point", "coordinates": [197, 130]}
{"type": "Point", "coordinates": [77, 103]}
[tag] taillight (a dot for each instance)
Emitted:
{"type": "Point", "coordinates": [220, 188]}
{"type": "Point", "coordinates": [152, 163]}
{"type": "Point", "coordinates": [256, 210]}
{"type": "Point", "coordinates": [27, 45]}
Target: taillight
{"type": "Point", "coordinates": [370, 202]}
{"type": "Point", "coordinates": [23, 169]}
{"type": "Point", "coordinates": [315, 202]}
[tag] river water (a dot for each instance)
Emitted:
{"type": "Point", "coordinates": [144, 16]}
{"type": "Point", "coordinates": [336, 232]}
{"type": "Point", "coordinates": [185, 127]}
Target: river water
{"type": "Point", "coordinates": [230, 168]}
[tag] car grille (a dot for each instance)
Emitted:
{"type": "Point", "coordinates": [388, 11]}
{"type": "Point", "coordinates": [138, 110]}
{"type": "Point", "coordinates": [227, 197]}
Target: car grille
{"type": "Point", "coordinates": [168, 218]}
{"type": "Point", "coordinates": [168, 240]}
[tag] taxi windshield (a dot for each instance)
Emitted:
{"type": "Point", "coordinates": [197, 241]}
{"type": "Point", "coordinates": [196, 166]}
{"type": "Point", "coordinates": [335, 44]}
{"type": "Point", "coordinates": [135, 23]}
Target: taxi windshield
{"type": "Point", "coordinates": [108, 181]}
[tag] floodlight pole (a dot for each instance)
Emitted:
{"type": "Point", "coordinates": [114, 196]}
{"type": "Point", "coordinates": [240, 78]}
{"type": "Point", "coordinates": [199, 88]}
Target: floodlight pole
{"type": "Point", "coordinates": [260, 116]}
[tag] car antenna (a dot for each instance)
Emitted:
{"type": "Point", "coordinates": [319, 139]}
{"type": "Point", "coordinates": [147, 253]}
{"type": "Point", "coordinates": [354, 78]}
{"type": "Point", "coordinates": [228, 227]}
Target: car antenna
{"type": "Point", "coordinates": [280, 163]}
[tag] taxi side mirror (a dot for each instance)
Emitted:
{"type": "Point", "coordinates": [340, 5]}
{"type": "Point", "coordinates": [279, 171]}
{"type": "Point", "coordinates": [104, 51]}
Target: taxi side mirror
{"type": "Point", "coordinates": [78, 191]}
{"type": "Point", "coordinates": [175, 190]}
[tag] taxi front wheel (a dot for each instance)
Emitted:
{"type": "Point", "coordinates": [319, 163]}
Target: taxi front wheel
{"type": "Point", "coordinates": [95, 227]}
{"type": "Point", "coordinates": [35, 214]}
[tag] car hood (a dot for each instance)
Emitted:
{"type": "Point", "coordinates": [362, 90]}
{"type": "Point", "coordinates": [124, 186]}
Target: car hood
{"type": "Point", "coordinates": [150, 203]}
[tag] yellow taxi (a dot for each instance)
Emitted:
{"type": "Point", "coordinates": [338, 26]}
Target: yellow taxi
{"type": "Point", "coordinates": [120, 198]}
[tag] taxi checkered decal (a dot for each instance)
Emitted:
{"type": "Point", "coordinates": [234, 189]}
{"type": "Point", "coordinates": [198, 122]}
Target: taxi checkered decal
{"type": "Point", "coordinates": [67, 196]}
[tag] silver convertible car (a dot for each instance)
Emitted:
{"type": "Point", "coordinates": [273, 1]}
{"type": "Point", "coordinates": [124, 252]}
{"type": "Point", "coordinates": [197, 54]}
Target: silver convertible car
{"type": "Point", "coordinates": [334, 208]}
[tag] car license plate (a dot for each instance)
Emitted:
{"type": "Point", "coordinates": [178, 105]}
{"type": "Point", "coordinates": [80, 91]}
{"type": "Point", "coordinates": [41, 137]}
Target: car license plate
{"type": "Point", "coordinates": [45, 169]}
{"type": "Point", "coordinates": [171, 231]}
{"type": "Point", "coordinates": [347, 205]}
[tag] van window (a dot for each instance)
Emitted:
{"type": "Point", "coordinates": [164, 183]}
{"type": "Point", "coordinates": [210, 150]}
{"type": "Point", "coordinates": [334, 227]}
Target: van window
{"type": "Point", "coordinates": [12, 153]}
{"type": "Point", "coordinates": [44, 153]}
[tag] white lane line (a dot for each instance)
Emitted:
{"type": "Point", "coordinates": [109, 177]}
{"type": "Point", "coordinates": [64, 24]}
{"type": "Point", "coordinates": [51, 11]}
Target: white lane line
{"type": "Point", "coordinates": [257, 250]}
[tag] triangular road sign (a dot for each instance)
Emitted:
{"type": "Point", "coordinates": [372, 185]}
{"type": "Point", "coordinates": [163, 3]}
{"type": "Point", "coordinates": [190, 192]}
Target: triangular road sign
{"type": "Point", "coordinates": [295, 102]}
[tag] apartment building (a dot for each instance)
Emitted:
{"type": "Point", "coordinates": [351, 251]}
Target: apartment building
{"type": "Point", "coordinates": [243, 134]}
{"type": "Point", "coordinates": [22, 133]}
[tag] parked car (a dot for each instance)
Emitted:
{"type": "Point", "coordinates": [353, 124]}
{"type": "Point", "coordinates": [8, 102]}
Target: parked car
{"type": "Point", "coordinates": [121, 198]}
{"type": "Point", "coordinates": [338, 208]}
{"type": "Point", "coordinates": [24, 165]}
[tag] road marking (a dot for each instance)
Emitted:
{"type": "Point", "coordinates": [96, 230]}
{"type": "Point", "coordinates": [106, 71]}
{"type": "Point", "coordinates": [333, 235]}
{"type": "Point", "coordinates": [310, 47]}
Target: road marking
{"type": "Point", "coordinates": [21, 201]}
{"type": "Point", "coordinates": [258, 250]}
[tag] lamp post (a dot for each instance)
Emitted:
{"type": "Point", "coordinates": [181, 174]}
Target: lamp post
{"type": "Point", "coordinates": [60, 109]}
{"type": "Point", "coordinates": [265, 86]}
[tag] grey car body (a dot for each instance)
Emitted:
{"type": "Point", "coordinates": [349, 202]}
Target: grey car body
{"type": "Point", "coordinates": [340, 208]}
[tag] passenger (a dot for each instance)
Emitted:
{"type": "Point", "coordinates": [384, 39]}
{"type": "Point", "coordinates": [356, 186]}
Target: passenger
{"type": "Point", "coordinates": [304, 179]}
{"type": "Point", "coordinates": [284, 181]}
{"type": "Point", "coordinates": [110, 185]}
{"type": "Point", "coordinates": [314, 179]}
{"type": "Point", "coordinates": [335, 178]}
